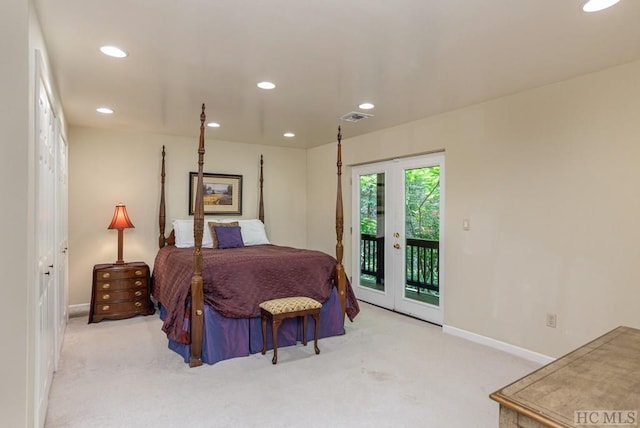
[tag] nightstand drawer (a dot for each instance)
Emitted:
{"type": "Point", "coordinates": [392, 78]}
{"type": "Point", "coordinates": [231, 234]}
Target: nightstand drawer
{"type": "Point", "coordinates": [120, 308]}
{"type": "Point", "coordinates": [123, 273]}
{"type": "Point", "coordinates": [120, 295]}
{"type": "Point", "coordinates": [104, 285]}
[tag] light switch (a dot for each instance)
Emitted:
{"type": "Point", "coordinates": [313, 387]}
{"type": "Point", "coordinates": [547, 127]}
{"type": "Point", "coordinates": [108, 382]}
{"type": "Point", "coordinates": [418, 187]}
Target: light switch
{"type": "Point", "coordinates": [465, 224]}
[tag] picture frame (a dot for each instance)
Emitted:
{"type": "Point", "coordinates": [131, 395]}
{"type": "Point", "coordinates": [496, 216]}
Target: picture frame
{"type": "Point", "coordinates": [222, 193]}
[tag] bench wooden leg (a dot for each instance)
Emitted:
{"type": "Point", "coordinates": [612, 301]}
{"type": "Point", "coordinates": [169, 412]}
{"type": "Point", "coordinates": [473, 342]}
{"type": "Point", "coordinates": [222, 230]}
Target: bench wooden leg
{"type": "Point", "coordinates": [264, 334]}
{"type": "Point", "coordinates": [316, 318]}
{"type": "Point", "coordinates": [304, 330]}
{"type": "Point", "coordinates": [275, 324]}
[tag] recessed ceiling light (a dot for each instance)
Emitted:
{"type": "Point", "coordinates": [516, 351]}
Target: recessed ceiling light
{"type": "Point", "coordinates": [104, 110]}
{"type": "Point", "coordinates": [266, 85]}
{"type": "Point", "coordinates": [213, 125]}
{"type": "Point", "coordinates": [597, 5]}
{"type": "Point", "coordinates": [289, 134]}
{"type": "Point", "coordinates": [113, 51]}
{"type": "Point", "coordinates": [366, 106]}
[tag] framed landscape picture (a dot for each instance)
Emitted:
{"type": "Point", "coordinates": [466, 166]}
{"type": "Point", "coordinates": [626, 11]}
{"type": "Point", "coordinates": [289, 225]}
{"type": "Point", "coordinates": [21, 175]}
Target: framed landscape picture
{"type": "Point", "coordinates": [222, 193]}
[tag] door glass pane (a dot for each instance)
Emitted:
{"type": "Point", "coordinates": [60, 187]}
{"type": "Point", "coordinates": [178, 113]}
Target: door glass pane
{"type": "Point", "coordinates": [372, 221]}
{"type": "Point", "coordinates": [422, 232]}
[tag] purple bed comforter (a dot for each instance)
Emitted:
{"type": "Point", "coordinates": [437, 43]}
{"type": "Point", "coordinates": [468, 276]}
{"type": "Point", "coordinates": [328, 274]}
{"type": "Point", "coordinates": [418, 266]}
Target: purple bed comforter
{"type": "Point", "coordinates": [237, 280]}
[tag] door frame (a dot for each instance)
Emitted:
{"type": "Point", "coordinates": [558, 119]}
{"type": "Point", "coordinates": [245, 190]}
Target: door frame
{"type": "Point", "coordinates": [393, 297]}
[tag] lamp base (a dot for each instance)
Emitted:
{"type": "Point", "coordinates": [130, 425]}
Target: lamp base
{"type": "Point", "coordinates": [120, 260]}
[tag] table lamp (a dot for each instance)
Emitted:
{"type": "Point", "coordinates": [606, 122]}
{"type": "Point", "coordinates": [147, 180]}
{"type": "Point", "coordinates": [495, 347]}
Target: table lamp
{"type": "Point", "coordinates": [120, 221]}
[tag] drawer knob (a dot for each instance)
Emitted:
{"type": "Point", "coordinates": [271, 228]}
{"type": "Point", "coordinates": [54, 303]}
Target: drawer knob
{"type": "Point", "coordinates": [105, 308]}
{"type": "Point", "coordinates": [138, 304]}
{"type": "Point", "coordinates": [106, 297]}
{"type": "Point", "coordinates": [138, 283]}
{"type": "Point", "coordinates": [106, 275]}
{"type": "Point", "coordinates": [138, 293]}
{"type": "Point", "coordinates": [106, 286]}
{"type": "Point", "coordinates": [138, 272]}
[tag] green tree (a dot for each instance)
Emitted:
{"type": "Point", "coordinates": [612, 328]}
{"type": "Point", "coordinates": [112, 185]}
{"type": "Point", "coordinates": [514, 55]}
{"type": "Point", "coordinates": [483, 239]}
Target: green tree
{"type": "Point", "coordinates": [422, 210]}
{"type": "Point", "coordinates": [368, 204]}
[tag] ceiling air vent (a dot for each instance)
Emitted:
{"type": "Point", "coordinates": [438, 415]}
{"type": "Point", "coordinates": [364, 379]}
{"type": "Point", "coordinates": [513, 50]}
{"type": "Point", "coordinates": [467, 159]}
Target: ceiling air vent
{"type": "Point", "coordinates": [355, 116]}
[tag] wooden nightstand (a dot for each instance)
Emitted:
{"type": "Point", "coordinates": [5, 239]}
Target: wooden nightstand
{"type": "Point", "coordinates": [120, 291]}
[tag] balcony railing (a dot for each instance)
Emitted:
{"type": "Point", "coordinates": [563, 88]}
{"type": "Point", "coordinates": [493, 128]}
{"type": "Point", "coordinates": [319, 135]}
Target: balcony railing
{"type": "Point", "coordinates": [422, 262]}
{"type": "Point", "coordinates": [372, 256]}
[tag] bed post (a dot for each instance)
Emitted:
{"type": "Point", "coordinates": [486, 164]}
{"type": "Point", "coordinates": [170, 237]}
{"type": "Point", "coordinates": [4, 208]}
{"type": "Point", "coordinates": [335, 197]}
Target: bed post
{"type": "Point", "coordinates": [197, 296]}
{"type": "Point", "coordinates": [340, 275]}
{"type": "Point", "coordinates": [162, 216]}
{"type": "Point", "coordinates": [261, 203]}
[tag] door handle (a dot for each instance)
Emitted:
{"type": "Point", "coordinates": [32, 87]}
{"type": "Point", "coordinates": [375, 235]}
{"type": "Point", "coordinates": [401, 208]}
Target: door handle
{"type": "Point", "coordinates": [396, 246]}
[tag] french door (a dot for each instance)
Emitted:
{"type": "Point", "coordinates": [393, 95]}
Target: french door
{"type": "Point", "coordinates": [397, 235]}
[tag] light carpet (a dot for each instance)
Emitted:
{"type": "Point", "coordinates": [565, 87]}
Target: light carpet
{"type": "Point", "coordinates": [389, 370]}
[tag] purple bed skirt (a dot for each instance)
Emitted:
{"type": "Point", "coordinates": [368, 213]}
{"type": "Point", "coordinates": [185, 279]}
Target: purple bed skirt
{"type": "Point", "coordinates": [226, 338]}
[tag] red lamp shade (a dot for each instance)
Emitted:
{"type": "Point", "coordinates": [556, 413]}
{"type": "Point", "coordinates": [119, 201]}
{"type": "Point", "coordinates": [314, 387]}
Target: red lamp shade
{"type": "Point", "coordinates": [120, 221]}
{"type": "Point", "coordinates": [120, 218]}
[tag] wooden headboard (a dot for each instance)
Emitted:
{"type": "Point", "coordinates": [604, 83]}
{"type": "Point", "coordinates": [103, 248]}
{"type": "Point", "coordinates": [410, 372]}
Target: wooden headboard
{"type": "Point", "coordinates": [162, 219]}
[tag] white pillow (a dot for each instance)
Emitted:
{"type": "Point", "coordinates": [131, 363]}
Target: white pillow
{"type": "Point", "coordinates": [253, 232]}
{"type": "Point", "coordinates": [183, 230]}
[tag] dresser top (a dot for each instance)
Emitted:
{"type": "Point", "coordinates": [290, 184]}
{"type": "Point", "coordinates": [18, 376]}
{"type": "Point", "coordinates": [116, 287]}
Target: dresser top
{"type": "Point", "coordinates": [122, 265]}
{"type": "Point", "coordinates": [602, 375]}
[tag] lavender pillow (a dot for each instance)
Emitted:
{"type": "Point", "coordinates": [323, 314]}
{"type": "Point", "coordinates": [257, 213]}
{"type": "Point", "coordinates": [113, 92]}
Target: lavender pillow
{"type": "Point", "coordinates": [229, 237]}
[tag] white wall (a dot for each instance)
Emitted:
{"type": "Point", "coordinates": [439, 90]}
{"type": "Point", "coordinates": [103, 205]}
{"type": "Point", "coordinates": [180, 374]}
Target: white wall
{"type": "Point", "coordinates": [549, 179]}
{"type": "Point", "coordinates": [14, 260]}
{"type": "Point", "coordinates": [107, 167]}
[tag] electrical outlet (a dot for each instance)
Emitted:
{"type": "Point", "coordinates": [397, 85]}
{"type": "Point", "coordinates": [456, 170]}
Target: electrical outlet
{"type": "Point", "coordinates": [551, 320]}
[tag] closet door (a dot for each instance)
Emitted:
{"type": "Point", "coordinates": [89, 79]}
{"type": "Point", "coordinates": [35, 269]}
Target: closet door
{"type": "Point", "coordinates": [46, 134]}
{"type": "Point", "coordinates": [61, 244]}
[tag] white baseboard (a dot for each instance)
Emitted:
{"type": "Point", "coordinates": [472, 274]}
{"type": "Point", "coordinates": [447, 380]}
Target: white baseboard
{"type": "Point", "coordinates": [81, 310]}
{"type": "Point", "coordinates": [497, 344]}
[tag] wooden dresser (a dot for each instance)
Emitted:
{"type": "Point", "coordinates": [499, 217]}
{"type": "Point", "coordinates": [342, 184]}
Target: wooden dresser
{"type": "Point", "coordinates": [120, 291]}
{"type": "Point", "coordinates": [596, 385]}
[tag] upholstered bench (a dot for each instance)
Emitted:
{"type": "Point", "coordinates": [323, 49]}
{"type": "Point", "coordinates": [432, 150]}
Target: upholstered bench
{"type": "Point", "coordinates": [278, 309]}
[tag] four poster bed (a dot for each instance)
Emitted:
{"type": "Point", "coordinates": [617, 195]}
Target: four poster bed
{"type": "Point", "coordinates": [209, 294]}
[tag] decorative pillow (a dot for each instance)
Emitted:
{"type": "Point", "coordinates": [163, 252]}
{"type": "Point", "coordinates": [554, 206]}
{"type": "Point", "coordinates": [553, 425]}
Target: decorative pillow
{"type": "Point", "coordinates": [212, 229]}
{"type": "Point", "coordinates": [183, 230]}
{"type": "Point", "coordinates": [229, 237]}
{"type": "Point", "coordinates": [253, 232]}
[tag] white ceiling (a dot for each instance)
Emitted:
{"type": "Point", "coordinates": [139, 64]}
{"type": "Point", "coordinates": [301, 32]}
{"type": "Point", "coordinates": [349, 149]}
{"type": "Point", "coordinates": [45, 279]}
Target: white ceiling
{"type": "Point", "coordinates": [411, 58]}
